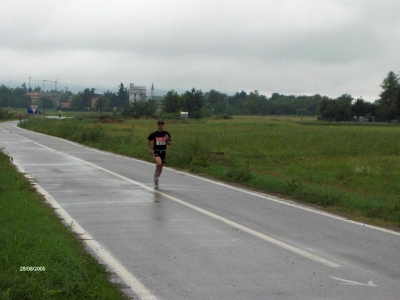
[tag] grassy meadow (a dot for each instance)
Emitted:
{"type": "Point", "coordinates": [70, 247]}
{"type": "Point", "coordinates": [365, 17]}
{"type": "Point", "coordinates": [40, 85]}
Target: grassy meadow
{"type": "Point", "coordinates": [348, 168]}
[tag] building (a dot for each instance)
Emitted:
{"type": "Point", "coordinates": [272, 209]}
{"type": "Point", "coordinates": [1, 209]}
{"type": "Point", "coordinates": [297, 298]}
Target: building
{"type": "Point", "coordinates": [34, 96]}
{"type": "Point", "coordinates": [137, 93]}
{"type": "Point", "coordinates": [152, 91]}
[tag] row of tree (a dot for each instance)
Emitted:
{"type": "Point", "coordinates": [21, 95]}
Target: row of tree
{"type": "Point", "coordinates": [211, 103]}
{"type": "Point", "coordinates": [199, 104]}
{"type": "Point", "coordinates": [345, 107]}
{"type": "Point", "coordinates": [19, 98]}
{"type": "Point", "coordinates": [109, 99]}
{"type": "Point", "coordinates": [10, 97]}
{"type": "Point", "coordinates": [386, 108]}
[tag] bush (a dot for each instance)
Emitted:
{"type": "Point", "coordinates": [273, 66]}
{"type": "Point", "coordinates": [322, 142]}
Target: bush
{"type": "Point", "coordinates": [190, 151]}
{"type": "Point", "coordinates": [4, 115]}
{"type": "Point", "coordinates": [238, 173]}
{"type": "Point", "coordinates": [96, 134]}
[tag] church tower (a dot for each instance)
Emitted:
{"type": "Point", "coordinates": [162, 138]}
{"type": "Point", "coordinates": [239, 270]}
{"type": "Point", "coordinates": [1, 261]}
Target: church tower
{"type": "Point", "coordinates": [152, 91]}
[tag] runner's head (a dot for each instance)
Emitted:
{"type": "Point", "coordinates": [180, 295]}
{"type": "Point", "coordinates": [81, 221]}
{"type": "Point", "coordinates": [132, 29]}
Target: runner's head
{"type": "Point", "coordinates": [160, 125]}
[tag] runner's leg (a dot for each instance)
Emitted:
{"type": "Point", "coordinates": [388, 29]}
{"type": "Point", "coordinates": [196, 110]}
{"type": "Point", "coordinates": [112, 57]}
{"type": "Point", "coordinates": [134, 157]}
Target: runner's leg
{"type": "Point", "coordinates": [159, 165]}
{"type": "Point", "coordinates": [158, 170]}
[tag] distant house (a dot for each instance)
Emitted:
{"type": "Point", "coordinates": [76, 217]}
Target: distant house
{"type": "Point", "coordinates": [34, 96]}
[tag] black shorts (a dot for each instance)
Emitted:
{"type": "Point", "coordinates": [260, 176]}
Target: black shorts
{"type": "Point", "coordinates": [161, 153]}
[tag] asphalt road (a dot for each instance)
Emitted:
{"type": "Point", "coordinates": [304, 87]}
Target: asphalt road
{"type": "Point", "coordinates": [201, 239]}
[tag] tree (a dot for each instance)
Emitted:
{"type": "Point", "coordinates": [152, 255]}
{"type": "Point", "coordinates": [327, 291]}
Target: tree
{"type": "Point", "coordinates": [64, 98]}
{"type": "Point", "coordinates": [343, 107]}
{"type": "Point", "coordinates": [389, 98]}
{"type": "Point", "coordinates": [13, 97]}
{"type": "Point", "coordinates": [171, 102]}
{"type": "Point", "coordinates": [101, 103]}
{"type": "Point", "coordinates": [122, 95]}
{"type": "Point", "coordinates": [256, 104]}
{"type": "Point", "coordinates": [5, 96]}
{"type": "Point", "coordinates": [326, 108]}
{"type": "Point", "coordinates": [76, 102]}
{"type": "Point", "coordinates": [138, 109]}
{"type": "Point", "coordinates": [335, 109]}
{"type": "Point", "coordinates": [87, 96]}
{"type": "Point", "coordinates": [217, 102]}
{"type": "Point", "coordinates": [193, 103]}
{"type": "Point", "coordinates": [358, 108]}
{"type": "Point", "coordinates": [238, 98]}
{"type": "Point", "coordinates": [113, 98]}
{"type": "Point", "coordinates": [237, 101]}
{"type": "Point", "coordinates": [45, 103]}
{"type": "Point", "coordinates": [23, 86]}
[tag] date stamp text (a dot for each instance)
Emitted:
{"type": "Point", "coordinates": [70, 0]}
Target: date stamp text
{"type": "Point", "coordinates": [30, 269]}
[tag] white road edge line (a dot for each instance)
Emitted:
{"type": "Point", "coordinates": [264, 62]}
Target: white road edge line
{"type": "Point", "coordinates": [293, 204]}
{"type": "Point", "coordinates": [136, 286]}
{"type": "Point", "coordinates": [254, 233]}
{"type": "Point", "coordinates": [212, 215]}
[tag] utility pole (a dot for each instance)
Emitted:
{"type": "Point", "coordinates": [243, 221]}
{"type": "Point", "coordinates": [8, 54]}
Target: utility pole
{"type": "Point", "coordinates": [227, 102]}
{"type": "Point", "coordinates": [55, 88]}
{"type": "Point", "coordinates": [29, 91]}
{"type": "Point", "coordinates": [44, 110]}
{"type": "Point", "coordinates": [43, 80]}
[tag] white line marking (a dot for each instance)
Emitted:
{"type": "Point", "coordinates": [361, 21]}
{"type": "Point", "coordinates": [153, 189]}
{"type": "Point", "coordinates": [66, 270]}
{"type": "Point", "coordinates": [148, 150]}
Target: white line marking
{"type": "Point", "coordinates": [254, 233]}
{"type": "Point", "coordinates": [136, 286]}
{"type": "Point", "coordinates": [215, 216]}
{"type": "Point", "coordinates": [290, 203]}
{"type": "Point", "coordinates": [349, 282]}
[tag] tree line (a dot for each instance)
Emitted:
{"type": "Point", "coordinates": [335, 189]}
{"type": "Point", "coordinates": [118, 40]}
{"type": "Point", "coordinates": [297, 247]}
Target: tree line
{"type": "Point", "coordinates": [212, 103]}
{"type": "Point", "coordinates": [385, 109]}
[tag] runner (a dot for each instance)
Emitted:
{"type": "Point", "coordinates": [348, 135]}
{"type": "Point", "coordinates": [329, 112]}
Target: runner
{"type": "Point", "coordinates": [161, 139]}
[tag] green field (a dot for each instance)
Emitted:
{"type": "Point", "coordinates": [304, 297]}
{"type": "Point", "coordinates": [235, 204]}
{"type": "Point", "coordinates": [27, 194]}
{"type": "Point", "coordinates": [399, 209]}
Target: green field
{"type": "Point", "coordinates": [347, 168]}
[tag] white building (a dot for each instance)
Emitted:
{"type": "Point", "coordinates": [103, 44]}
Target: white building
{"type": "Point", "coordinates": [139, 93]}
{"type": "Point", "coordinates": [152, 91]}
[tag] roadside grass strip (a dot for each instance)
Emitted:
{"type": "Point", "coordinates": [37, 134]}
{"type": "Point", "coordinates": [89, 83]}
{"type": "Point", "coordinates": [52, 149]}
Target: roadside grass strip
{"type": "Point", "coordinates": [40, 258]}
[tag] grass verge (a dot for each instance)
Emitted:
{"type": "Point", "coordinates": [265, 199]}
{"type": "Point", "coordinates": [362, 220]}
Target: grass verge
{"type": "Point", "coordinates": [39, 257]}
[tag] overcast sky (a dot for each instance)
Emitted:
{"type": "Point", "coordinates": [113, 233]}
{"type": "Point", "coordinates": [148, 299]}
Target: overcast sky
{"type": "Point", "coordinates": [297, 47]}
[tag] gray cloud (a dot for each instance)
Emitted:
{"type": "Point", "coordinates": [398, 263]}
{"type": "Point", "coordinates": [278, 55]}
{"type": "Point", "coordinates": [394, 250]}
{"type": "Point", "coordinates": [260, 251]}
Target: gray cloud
{"type": "Point", "coordinates": [329, 47]}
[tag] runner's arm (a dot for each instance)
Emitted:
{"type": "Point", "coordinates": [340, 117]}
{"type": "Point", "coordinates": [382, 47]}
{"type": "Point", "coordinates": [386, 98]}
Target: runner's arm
{"type": "Point", "coordinates": [149, 147]}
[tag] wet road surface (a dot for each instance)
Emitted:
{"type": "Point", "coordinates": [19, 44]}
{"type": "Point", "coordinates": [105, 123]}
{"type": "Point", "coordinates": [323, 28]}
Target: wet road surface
{"type": "Point", "coordinates": [195, 238]}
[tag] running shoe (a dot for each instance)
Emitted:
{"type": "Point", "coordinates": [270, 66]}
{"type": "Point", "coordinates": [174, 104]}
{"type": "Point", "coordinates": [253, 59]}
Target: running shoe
{"type": "Point", "coordinates": [156, 178]}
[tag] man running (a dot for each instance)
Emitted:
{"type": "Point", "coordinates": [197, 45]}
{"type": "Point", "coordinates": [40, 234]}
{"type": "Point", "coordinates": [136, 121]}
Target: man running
{"type": "Point", "coordinates": [161, 139]}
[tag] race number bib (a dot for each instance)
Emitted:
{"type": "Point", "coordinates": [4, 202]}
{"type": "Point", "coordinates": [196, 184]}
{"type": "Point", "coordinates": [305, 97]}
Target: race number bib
{"type": "Point", "coordinates": [160, 141]}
